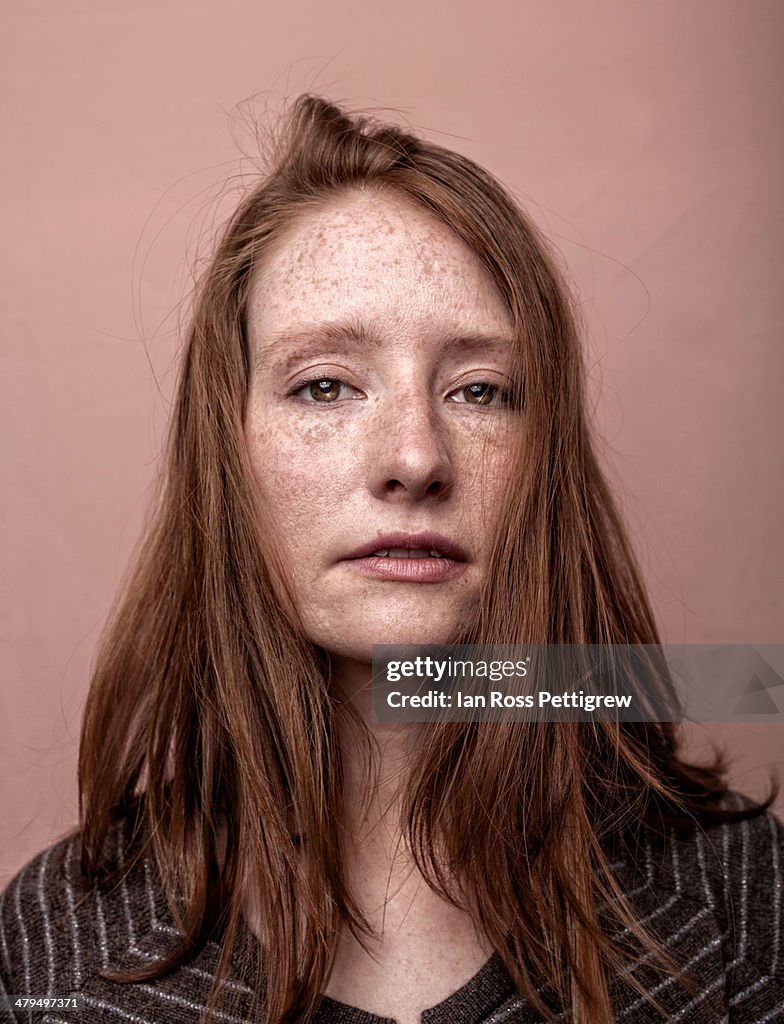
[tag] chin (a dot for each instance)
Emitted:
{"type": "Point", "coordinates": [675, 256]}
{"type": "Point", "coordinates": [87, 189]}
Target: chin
{"type": "Point", "coordinates": [358, 644]}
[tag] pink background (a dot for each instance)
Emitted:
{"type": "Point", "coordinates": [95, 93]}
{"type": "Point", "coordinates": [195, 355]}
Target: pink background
{"type": "Point", "coordinates": [645, 138]}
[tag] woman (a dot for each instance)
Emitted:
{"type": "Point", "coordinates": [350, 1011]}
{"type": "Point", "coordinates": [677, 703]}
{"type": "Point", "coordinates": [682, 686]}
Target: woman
{"type": "Point", "coordinates": [379, 437]}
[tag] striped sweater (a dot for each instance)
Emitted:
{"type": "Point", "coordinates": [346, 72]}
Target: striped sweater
{"type": "Point", "coordinates": [715, 900]}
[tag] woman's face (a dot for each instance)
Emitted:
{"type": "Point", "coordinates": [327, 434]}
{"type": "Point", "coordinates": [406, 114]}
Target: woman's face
{"type": "Point", "coordinates": [376, 421]}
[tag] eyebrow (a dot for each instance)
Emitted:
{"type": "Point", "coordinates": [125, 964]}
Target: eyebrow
{"type": "Point", "coordinates": [301, 338]}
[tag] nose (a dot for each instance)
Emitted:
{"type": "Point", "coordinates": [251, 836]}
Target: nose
{"type": "Point", "coordinates": [410, 458]}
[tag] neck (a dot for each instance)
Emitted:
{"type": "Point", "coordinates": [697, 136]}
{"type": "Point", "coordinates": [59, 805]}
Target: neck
{"type": "Point", "coordinates": [372, 796]}
{"type": "Point", "coordinates": [352, 682]}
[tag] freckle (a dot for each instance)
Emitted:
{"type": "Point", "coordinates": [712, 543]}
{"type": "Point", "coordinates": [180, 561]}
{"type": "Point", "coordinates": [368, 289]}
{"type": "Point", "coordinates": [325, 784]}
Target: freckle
{"type": "Point", "coordinates": [315, 434]}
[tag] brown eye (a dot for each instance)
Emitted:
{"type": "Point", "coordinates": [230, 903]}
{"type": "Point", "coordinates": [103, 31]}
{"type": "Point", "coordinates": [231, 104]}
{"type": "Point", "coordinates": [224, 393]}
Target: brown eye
{"type": "Point", "coordinates": [479, 394]}
{"type": "Point", "coordinates": [324, 390]}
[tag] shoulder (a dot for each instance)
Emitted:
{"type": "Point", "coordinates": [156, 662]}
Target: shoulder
{"type": "Point", "coordinates": [731, 874]}
{"type": "Point", "coordinates": [725, 866]}
{"type": "Point", "coordinates": [39, 911]}
{"type": "Point", "coordinates": [56, 927]}
{"type": "Point", "coordinates": [60, 933]}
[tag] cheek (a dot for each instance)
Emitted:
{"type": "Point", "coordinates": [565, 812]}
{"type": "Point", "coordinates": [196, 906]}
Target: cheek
{"type": "Point", "coordinates": [485, 465]}
{"type": "Point", "coordinates": [494, 490]}
{"type": "Point", "coordinates": [496, 474]}
{"type": "Point", "coordinates": [303, 475]}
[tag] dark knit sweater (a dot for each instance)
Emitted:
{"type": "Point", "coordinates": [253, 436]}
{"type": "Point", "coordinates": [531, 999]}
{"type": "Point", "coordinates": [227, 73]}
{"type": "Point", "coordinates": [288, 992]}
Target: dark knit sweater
{"type": "Point", "coordinates": [714, 899]}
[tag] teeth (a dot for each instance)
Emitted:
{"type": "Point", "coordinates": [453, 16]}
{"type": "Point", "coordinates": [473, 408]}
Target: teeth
{"type": "Point", "coordinates": [407, 553]}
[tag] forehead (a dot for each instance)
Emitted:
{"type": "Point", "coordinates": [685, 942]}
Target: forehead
{"type": "Point", "coordinates": [375, 256]}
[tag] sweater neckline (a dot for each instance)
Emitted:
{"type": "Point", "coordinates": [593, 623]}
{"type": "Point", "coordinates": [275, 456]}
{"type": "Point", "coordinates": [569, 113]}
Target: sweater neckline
{"type": "Point", "coordinates": [472, 1002]}
{"type": "Point", "coordinates": [475, 1000]}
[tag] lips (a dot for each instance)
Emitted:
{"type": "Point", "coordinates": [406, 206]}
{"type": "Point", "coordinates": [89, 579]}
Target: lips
{"type": "Point", "coordinates": [408, 553]}
{"type": "Point", "coordinates": [410, 546]}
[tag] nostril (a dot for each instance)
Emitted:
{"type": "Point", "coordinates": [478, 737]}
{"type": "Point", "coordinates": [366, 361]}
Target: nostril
{"type": "Point", "coordinates": [435, 489]}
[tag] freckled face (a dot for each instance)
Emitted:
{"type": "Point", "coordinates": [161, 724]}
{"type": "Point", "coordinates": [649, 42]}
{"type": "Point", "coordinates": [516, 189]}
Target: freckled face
{"type": "Point", "coordinates": [376, 419]}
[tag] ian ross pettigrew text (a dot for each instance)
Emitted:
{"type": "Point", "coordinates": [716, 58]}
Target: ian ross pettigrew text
{"type": "Point", "coordinates": [496, 699]}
